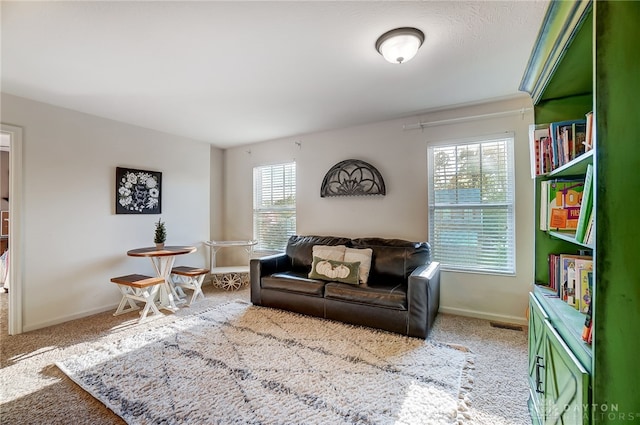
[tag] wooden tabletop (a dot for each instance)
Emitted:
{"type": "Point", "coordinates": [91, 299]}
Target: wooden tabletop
{"type": "Point", "coordinates": [152, 251]}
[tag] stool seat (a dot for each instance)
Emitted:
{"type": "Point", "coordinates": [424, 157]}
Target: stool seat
{"type": "Point", "coordinates": [189, 278]}
{"type": "Point", "coordinates": [137, 280]}
{"type": "Point", "coordinates": [189, 271]}
{"type": "Point", "coordinates": [138, 287]}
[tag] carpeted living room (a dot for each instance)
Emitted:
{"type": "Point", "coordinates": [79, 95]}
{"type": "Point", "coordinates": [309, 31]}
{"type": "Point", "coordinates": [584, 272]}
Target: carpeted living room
{"type": "Point", "coordinates": [144, 143]}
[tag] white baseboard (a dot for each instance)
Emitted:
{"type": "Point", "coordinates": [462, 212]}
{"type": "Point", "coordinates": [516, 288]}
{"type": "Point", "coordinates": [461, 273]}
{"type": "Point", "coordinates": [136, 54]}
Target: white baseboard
{"type": "Point", "coordinates": [447, 310]}
{"type": "Point", "coordinates": [483, 315]}
{"type": "Point", "coordinates": [82, 314]}
{"type": "Point", "coordinates": [64, 319]}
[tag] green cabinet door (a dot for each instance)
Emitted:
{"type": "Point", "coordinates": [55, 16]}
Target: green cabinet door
{"type": "Point", "coordinates": [537, 319]}
{"type": "Point", "coordinates": [566, 383]}
{"type": "Point", "coordinates": [558, 384]}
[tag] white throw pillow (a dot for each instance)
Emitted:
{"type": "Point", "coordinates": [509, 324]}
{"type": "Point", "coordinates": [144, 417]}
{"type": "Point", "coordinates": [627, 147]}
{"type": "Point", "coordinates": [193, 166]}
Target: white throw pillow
{"type": "Point", "coordinates": [364, 256]}
{"type": "Point", "coordinates": [329, 252]}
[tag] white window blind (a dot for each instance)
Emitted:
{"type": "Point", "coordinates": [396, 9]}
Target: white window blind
{"type": "Point", "coordinates": [471, 205]}
{"type": "Point", "coordinates": [274, 205]}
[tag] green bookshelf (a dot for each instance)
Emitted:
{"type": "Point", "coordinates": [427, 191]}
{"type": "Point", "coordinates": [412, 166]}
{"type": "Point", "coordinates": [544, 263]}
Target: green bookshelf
{"type": "Point", "coordinates": [586, 59]}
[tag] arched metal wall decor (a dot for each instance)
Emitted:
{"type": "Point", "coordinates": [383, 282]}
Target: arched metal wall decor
{"type": "Point", "coordinates": [352, 177]}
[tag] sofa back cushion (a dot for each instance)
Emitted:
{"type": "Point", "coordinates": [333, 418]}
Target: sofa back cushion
{"type": "Point", "coordinates": [300, 249]}
{"type": "Point", "coordinates": [393, 260]}
{"type": "Point", "coordinates": [364, 257]}
{"type": "Point", "coordinates": [329, 252]}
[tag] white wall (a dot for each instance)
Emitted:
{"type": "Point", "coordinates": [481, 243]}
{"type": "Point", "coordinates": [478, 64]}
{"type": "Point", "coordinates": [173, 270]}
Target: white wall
{"type": "Point", "coordinates": [401, 158]}
{"type": "Point", "coordinates": [74, 243]}
{"type": "Point", "coordinates": [216, 193]}
{"type": "Point", "coordinates": [73, 240]}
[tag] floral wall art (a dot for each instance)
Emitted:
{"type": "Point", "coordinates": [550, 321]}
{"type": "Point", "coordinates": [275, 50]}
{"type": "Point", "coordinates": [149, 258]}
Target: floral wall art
{"type": "Point", "coordinates": [138, 191]}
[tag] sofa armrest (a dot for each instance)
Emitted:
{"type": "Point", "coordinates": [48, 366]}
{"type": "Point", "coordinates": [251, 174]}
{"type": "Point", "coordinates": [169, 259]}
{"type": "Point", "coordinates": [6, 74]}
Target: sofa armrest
{"type": "Point", "coordinates": [423, 299]}
{"type": "Point", "coordinates": [259, 267]}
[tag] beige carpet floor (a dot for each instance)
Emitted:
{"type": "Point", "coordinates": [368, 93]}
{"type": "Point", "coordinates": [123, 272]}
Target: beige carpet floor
{"type": "Point", "coordinates": [34, 391]}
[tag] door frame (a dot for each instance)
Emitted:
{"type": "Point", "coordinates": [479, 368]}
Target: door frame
{"type": "Point", "coordinates": [16, 253]}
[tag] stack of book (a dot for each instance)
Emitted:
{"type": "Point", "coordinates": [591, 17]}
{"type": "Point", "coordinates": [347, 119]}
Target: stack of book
{"type": "Point", "coordinates": [570, 276]}
{"type": "Point", "coordinates": [555, 144]}
{"type": "Point", "coordinates": [567, 206]}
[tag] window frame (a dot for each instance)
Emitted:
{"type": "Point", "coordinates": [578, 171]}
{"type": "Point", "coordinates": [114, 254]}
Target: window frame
{"type": "Point", "coordinates": [509, 204]}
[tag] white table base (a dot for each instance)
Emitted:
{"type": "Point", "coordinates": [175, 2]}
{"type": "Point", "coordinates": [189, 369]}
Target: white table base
{"type": "Point", "coordinates": [168, 295]}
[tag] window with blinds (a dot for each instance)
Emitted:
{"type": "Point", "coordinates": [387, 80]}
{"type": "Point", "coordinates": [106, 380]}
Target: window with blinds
{"type": "Point", "coordinates": [471, 205]}
{"type": "Point", "coordinates": [274, 205]}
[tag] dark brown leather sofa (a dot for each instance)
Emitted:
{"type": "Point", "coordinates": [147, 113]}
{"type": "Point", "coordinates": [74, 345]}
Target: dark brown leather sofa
{"type": "Point", "coordinates": [402, 294]}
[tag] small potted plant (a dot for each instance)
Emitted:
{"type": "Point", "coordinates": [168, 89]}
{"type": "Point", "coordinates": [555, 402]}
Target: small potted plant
{"type": "Point", "coordinates": [160, 235]}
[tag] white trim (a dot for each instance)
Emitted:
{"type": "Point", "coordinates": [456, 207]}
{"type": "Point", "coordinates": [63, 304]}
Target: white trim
{"type": "Point", "coordinates": [483, 315]}
{"type": "Point", "coordinates": [16, 253]}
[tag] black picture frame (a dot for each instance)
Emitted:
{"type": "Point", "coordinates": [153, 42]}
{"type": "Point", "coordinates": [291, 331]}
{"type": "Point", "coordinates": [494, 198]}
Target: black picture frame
{"type": "Point", "coordinates": [138, 191]}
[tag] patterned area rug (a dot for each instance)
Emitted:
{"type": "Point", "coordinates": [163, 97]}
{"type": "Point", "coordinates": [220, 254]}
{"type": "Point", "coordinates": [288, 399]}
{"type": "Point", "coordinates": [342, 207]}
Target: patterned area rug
{"type": "Point", "coordinates": [242, 364]}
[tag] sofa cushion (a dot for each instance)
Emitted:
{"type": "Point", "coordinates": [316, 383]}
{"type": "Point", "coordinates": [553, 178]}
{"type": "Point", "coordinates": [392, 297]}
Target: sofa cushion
{"type": "Point", "coordinates": [300, 249]}
{"type": "Point", "coordinates": [393, 260]}
{"type": "Point", "coordinates": [391, 297]}
{"type": "Point", "coordinates": [338, 271]}
{"type": "Point", "coordinates": [329, 252]}
{"type": "Point", "coordinates": [293, 282]}
{"type": "Point", "coordinates": [364, 257]}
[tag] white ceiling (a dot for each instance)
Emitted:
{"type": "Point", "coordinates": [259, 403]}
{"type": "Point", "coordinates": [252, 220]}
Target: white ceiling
{"type": "Point", "coordinates": [231, 73]}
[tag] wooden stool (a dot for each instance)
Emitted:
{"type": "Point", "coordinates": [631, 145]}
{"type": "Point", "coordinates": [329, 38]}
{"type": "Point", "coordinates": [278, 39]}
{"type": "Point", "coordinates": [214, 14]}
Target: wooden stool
{"type": "Point", "coordinates": [189, 278]}
{"type": "Point", "coordinates": [138, 287]}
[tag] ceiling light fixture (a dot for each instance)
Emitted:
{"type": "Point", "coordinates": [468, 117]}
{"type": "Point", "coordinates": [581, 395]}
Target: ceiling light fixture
{"type": "Point", "coordinates": [400, 45]}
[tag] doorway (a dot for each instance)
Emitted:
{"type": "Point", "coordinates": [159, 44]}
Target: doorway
{"type": "Point", "coordinates": [13, 137]}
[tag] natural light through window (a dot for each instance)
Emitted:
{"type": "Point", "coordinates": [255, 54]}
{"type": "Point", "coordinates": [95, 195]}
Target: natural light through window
{"type": "Point", "coordinates": [471, 204]}
{"type": "Point", "coordinates": [274, 205]}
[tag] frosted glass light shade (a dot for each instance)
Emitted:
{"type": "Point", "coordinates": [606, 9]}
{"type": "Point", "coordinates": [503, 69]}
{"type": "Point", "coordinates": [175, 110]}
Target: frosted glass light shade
{"type": "Point", "coordinates": [400, 45]}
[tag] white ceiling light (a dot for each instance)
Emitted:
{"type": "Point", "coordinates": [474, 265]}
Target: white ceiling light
{"type": "Point", "coordinates": [400, 45]}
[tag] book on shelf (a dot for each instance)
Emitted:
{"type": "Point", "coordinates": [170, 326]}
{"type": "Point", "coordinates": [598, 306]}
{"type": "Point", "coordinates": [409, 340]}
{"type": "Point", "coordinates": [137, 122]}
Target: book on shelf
{"type": "Point", "coordinates": [547, 152]}
{"type": "Point", "coordinates": [585, 206]}
{"type": "Point", "coordinates": [555, 144]}
{"type": "Point", "coordinates": [564, 201]}
{"type": "Point", "coordinates": [538, 138]}
{"type": "Point", "coordinates": [570, 285]}
{"type": "Point", "coordinates": [579, 137]}
{"type": "Point", "coordinates": [582, 265]}
{"type": "Point", "coordinates": [590, 233]}
{"type": "Point", "coordinates": [554, 274]}
{"type": "Point", "coordinates": [586, 289]}
{"type": "Point", "coordinates": [544, 205]}
{"type": "Point", "coordinates": [567, 138]}
{"type": "Point", "coordinates": [587, 330]}
{"type": "Point", "coordinates": [588, 139]}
